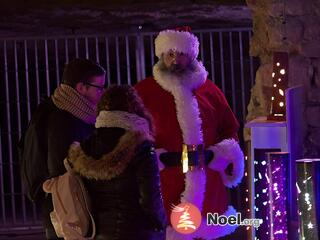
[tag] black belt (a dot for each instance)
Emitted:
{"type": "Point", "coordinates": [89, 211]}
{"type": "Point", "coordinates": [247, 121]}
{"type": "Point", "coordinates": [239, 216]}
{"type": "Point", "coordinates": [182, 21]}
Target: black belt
{"type": "Point", "coordinates": [173, 159]}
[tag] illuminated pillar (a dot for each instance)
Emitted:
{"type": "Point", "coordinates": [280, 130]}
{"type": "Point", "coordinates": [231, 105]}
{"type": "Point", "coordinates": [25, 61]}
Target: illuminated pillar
{"type": "Point", "coordinates": [266, 136]}
{"type": "Point", "coordinates": [277, 172]}
{"type": "Point", "coordinates": [308, 188]}
{"type": "Point", "coordinates": [279, 84]}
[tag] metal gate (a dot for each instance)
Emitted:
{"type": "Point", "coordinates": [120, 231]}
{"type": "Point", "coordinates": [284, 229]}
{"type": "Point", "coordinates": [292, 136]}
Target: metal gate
{"type": "Point", "coordinates": [31, 68]}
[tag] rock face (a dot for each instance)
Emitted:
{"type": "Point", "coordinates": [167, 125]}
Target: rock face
{"type": "Point", "coordinates": [291, 26]}
{"type": "Point", "coordinates": [35, 17]}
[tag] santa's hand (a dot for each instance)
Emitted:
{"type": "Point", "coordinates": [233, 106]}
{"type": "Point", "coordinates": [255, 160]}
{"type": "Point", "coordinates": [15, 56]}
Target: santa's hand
{"type": "Point", "coordinates": [159, 151]}
{"type": "Point", "coordinates": [229, 161]}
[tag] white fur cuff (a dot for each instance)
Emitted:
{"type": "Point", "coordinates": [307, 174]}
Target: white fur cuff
{"type": "Point", "coordinates": [226, 152]}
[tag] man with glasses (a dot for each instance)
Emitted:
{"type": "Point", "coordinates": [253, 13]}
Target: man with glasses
{"type": "Point", "coordinates": [67, 116]}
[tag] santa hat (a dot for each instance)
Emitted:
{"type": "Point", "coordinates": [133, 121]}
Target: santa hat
{"type": "Point", "coordinates": [180, 40]}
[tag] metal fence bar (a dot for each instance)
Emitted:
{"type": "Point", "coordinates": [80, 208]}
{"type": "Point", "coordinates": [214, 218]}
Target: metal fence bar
{"type": "Point", "coordinates": [118, 61]}
{"type": "Point", "coordinates": [3, 208]}
{"type": "Point", "coordinates": [87, 47]}
{"type": "Point", "coordinates": [142, 59]}
{"type": "Point", "coordinates": [17, 88]}
{"type": "Point", "coordinates": [151, 50]}
{"type": "Point", "coordinates": [107, 60]}
{"type": "Point", "coordinates": [27, 78]}
{"type": "Point", "coordinates": [201, 48]}
{"type": "Point", "coordinates": [47, 66]}
{"type": "Point", "coordinates": [232, 74]}
{"type": "Point", "coordinates": [57, 61]}
{"type": "Point", "coordinates": [19, 129]}
{"type": "Point", "coordinates": [29, 116]}
{"type": "Point", "coordinates": [242, 79]}
{"type": "Point", "coordinates": [76, 46]}
{"type": "Point", "coordinates": [37, 70]}
{"type": "Point", "coordinates": [138, 59]}
{"type": "Point", "coordinates": [8, 127]}
{"type": "Point", "coordinates": [213, 75]}
{"type": "Point", "coordinates": [66, 48]}
{"type": "Point", "coordinates": [37, 90]}
{"type": "Point", "coordinates": [128, 61]}
{"type": "Point", "coordinates": [97, 50]}
{"type": "Point", "coordinates": [222, 62]}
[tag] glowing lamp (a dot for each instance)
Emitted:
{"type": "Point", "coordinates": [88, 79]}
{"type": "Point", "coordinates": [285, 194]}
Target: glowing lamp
{"type": "Point", "coordinates": [280, 83]}
{"type": "Point", "coordinates": [308, 189]}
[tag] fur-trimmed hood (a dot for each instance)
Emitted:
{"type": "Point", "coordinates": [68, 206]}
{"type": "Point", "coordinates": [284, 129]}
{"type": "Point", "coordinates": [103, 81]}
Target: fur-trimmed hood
{"type": "Point", "coordinates": [109, 165]}
{"type": "Point", "coordinates": [125, 120]}
{"type": "Point", "coordinates": [114, 162]}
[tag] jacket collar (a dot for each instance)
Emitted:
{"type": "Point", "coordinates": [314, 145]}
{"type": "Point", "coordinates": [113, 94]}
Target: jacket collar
{"type": "Point", "coordinates": [125, 120]}
{"type": "Point", "coordinates": [115, 162]}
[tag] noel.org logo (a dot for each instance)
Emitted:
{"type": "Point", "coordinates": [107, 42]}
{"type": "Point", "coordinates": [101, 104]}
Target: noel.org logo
{"type": "Point", "coordinates": [185, 218]}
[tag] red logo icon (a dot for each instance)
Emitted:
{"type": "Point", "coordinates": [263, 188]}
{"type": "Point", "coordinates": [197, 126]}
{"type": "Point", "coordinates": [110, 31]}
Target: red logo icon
{"type": "Point", "coordinates": [185, 218]}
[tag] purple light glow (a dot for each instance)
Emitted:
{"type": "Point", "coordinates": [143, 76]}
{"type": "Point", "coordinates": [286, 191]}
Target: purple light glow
{"type": "Point", "coordinates": [276, 172]}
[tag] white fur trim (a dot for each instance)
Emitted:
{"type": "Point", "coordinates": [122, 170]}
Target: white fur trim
{"type": "Point", "coordinates": [188, 116]}
{"type": "Point", "coordinates": [176, 40]}
{"type": "Point", "coordinates": [158, 152]}
{"type": "Point", "coordinates": [226, 152]}
{"type": "Point", "coordinates": [121, 119]}
{"type": "Point", "coordinates": [187, 108]}
{"type": "Point", "coordinates": [206, 232]}
{"type": "Point", "coordinates": [195, 188]}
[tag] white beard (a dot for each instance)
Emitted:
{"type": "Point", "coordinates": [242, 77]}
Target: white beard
{"type": "Point", "coordinates": [189, 80]}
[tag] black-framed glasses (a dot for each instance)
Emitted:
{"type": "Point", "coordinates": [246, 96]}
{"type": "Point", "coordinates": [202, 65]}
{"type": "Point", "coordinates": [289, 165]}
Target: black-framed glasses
{"type": "Point", "coordinates": [101, 88]}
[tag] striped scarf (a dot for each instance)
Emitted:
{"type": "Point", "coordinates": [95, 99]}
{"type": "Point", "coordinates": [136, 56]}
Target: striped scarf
{"type": "Point", "coordinates": [68, 99]}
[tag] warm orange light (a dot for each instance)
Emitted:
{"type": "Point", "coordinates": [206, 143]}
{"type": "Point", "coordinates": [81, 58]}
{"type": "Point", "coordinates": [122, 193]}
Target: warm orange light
{"type": "Point", "coordinates": [281, 92]}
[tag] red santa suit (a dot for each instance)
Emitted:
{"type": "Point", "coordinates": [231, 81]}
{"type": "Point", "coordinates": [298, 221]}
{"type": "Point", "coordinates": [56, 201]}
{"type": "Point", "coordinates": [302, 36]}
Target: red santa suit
{"type": "Point", "coordinates": [193, 110]}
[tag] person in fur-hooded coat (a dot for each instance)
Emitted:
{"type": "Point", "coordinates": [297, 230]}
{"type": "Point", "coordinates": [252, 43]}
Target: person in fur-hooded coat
{"type": "Point", "coordinates": [120, 171]}
{"type": "Point", "coordinates": [188, 108]}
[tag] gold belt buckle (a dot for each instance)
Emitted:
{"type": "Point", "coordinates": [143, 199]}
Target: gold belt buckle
{"type": "Point", "coordinates": [184, 156]}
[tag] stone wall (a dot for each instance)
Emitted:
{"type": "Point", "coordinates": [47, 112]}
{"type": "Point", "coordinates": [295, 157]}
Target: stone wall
{"type": "Point", "coordinates": [291, 26]}
{"type": "Point", "coordinates": [60, 17]}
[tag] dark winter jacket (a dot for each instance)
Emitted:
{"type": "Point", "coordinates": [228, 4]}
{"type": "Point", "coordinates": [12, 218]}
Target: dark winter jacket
{"type": "Point", "coordinates": [52, 135]}
{"type": "Point", "coordinates": [121, 174]}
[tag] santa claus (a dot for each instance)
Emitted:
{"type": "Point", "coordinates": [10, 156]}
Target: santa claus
{"type": "Point", "coordinates": [191, 116]}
